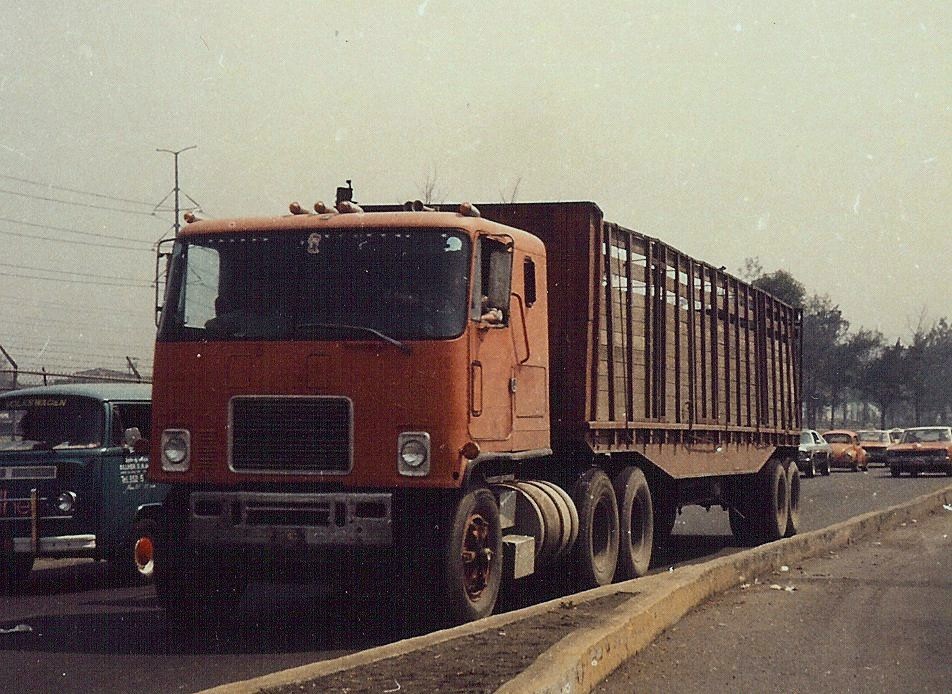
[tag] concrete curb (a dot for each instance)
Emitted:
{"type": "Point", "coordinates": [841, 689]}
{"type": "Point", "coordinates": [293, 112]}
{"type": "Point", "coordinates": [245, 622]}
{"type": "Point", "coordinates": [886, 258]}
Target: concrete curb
{"type": "Point", "coordinates": [581, 660]}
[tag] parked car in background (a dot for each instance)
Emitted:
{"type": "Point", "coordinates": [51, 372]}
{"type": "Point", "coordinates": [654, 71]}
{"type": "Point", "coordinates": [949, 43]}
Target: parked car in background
{"type": "Point", "coordinates": [813, 454]}
{"type": "Point", "coordinates": [846, 450]}
{"type": "Point", "coordinates": [72, 478]}
{"type": "Point", "coordinates": [922, 449]}
{"type": "Point", "coordinates": [875, 442]}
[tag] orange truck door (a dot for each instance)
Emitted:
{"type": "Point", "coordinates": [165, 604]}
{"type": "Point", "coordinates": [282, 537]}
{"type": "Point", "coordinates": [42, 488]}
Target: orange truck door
{"type": "Point", "coordinates": [492, 357]}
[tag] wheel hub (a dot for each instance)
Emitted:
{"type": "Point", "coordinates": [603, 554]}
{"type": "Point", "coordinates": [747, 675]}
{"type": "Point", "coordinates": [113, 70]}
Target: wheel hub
{"type": "Point", "coordinates": [477, 556]}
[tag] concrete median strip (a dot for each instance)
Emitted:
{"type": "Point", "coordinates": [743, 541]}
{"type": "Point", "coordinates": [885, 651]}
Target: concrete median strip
{"type": "Point", "coordinates": [588, 654]}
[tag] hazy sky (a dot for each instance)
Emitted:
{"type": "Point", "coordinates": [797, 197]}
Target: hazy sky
{"type": "Point", "coordinates": [816, 136]}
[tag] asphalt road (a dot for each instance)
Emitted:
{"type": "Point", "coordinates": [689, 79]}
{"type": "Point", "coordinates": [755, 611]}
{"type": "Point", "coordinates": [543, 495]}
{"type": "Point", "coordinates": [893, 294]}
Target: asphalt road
{"type": "Point", "coordinates": [871, 617]}
{"type": "Point", "coordinates": [87, 633]}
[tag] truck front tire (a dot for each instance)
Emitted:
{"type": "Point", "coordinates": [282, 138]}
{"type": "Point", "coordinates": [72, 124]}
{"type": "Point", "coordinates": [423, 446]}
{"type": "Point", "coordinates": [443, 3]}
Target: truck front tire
{"type": "Point", "coordinates": [472, 558]}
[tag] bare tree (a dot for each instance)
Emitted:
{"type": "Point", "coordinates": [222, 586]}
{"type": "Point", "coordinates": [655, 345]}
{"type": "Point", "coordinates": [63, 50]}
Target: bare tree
{"type": "Point", "coordinates": [511, 197]}
{"type": "Point", "coordinates": [427, 188]}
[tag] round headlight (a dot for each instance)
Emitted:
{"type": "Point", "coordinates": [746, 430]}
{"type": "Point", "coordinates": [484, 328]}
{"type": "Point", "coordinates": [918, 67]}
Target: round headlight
{"type": "Point", "coordinates": [175, 449]}
{"type": "Point", "coordinates": [413, 453]}
{"type": "Point", "coordinates": [66, 502]}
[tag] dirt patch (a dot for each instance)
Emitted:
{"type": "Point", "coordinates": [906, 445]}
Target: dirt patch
{"type": "Point", "coordinates": [480, 662]}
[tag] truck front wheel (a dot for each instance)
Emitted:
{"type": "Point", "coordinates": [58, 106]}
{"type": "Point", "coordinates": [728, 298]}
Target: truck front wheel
{"type": "Point", "coordinates": [472, 558]}
{"type": "Point", "coordinates": [596, 549]}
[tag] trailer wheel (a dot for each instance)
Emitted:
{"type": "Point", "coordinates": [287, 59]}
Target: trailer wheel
{"type": "Point", "coordinates": [810, 470]}
{"type": "Point", "coordinates": [793, 508]}
{"type": "Point", "coordinates": [472, 558]}
{"type": "Point", "coordinates": [14, 571]}
{"type": "Point", "coordinates": [825, 470]}
{"type": "Point", "coordinates": [636, 520]}
{"type": "Point", "coordinates": [773, 501]}
{"type": "Point", "coordinates": [596, 549]}
{"type": "Point", "coordinates": [894, 470]}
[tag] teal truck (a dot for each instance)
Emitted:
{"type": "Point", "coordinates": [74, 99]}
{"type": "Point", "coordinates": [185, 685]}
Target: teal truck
{"type": "Point", "coordinates": [72, 478]}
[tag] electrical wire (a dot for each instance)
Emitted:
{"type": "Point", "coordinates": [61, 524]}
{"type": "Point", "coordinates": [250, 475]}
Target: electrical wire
{"type": "Point", "coordinates": [78, 274]}
{"type": "Point", "coordinates": [78, 204]}
{"type": "Point", "coordinates": [61, 279]}
{"type": "Point", "coordinates": [76, 190]}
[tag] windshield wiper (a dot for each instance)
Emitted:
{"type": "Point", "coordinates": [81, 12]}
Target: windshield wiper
{"type": "Point", "coordinates": [405, 348]}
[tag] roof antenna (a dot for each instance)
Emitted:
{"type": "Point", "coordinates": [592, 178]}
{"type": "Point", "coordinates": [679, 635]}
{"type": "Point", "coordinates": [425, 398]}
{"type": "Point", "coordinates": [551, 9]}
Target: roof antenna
{"type": "Point", "coordinates": [345, 194]}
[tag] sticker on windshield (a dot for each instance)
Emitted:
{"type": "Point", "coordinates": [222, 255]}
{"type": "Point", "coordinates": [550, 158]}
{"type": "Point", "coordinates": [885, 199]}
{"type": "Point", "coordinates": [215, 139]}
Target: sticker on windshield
{"type": "Point", "coordinates": [314, 243]}
{"type": "Point", "coordinates": [453, 244]}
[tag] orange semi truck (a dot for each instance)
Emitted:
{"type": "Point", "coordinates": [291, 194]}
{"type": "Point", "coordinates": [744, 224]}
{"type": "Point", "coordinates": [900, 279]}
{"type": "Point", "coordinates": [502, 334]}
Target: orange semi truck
{"type": "Point", "coordinates": [453, 400]}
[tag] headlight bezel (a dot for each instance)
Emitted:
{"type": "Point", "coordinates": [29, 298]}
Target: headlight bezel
{"type": "Point", "coordinates": [179, 441]}
{"type": "Point", "coordinates": [66, 503]}
{"type": "Point", "coordinates": [413, 453]}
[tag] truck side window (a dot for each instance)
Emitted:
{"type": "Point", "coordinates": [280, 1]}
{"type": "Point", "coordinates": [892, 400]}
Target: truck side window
{"type": "Point", "coordinates": [127, 415]}
{"type": "Point", "coordinates": [492, 282]}
{"type": "Point", "coordinates": [528, 272]}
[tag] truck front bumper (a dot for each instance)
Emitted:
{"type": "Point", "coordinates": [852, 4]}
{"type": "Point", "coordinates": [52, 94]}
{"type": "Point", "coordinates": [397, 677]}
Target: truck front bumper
{"type": "Point", "coordinates": [916, 464]}
{"type": "Point", "coordinates": [61, 545]}
{"type": "Point", "coordinates": [265, 519]}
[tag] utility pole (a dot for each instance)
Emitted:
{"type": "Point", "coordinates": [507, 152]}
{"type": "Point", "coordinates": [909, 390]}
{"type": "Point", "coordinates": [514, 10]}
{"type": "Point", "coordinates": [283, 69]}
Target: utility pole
{"type": "Point", "coordinates": [176, 153]}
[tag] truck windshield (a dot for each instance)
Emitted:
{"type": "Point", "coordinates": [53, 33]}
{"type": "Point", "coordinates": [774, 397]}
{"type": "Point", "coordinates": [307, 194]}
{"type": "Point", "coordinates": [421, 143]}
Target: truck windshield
{"type": "Point", "coordinates": [50, 421]}
{"type": "Point", "coordinates": [372, 284]}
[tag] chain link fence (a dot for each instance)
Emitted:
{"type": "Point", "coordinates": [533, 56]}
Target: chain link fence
{"type": "Point", "coordinates": [13, 379]}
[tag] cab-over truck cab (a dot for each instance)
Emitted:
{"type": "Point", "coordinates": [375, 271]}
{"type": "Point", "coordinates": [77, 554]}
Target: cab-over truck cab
{"type": "Point", "coordinates": [72, 477]}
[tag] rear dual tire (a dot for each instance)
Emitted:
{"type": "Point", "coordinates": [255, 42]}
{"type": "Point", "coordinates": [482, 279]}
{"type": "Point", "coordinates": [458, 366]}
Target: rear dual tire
{"type": "Point", "coordinates": [770, 507]}
{"type": "Point", "coordinates": [636, 517]}
{"type": "Point", "coordinates": [596, 548]}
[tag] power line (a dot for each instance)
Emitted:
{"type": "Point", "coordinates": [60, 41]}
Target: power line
{"type": "Point", "coordinates": [58, 279]}
{"type": "Point", "coordinates": [77, 190]}
{"type": "Point", "coordinates": [50, 227]}
{"type": "Point", "coordinates": [64, 300]}
{"type": "Point", "coordinates": [26, 314]}
{"type": "Point", "coordinates": [79, 274]}
{"type": "Point", "coordinates": [74, 241]}
{"type": "Point", "coordinates": [79, 204]}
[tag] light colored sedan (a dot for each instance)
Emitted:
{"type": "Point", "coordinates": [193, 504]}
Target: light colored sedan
{"type": "Point", "coordinates": [813, 454]}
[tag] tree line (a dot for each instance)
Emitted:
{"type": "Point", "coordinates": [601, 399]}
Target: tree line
{"type": "Point", "coordinates": [859, 378]}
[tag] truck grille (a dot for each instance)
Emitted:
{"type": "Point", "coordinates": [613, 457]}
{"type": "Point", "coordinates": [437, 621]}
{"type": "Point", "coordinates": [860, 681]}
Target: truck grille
{"type": "Point", "coordinates": [288, 435]}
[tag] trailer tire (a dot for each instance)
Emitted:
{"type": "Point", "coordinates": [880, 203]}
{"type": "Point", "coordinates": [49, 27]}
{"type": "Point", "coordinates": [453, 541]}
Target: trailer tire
{"type": "Point", "coordinates": [14, 571]}
{"type": "Point", "coordinates": [793, 507]}
{"type": "Point", "coordinates": [596, 549]}
{"type": "Point", "coordinates": [472, 558]}
{"type": "Point", "coordinates": [636, 520]}
{"type": "Point", "coordinates": [773, 501]}
{"type": "Point", "coordinates": [826, 471]}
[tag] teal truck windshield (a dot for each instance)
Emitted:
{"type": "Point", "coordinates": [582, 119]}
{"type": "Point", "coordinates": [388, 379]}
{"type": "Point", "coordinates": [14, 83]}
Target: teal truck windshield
{"type": "Point", "coordinates": [50, 422]}
{"type": "Point", "coordinates": [394, 284]}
